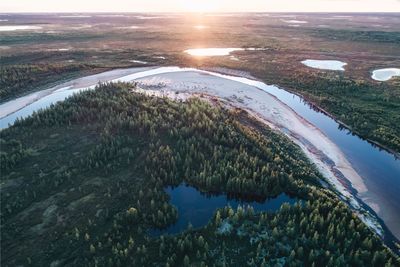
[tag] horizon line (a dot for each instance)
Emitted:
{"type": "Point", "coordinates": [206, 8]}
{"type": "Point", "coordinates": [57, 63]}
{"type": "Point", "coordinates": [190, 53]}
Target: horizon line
{"type": "Point", "coordinates": [200, 13]}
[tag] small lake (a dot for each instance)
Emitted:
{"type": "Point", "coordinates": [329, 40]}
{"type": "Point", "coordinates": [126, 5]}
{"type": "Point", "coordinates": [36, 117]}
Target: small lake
{"type": "Point", "coordinates": [200, 27]}
{"type": "Point", "coordinates": [383, 75]}
{"type": "Point", "coordinates": [211, 52]}
{"type": "Point", "coordinates": [293, 21]}
{"type": "Point", "coordinates": [325, 64]}
{"type": "Point", "coordinates": [10, 28]}
{"type": "Point", "coordinates": [197, 208]}
{"type": "Point", "coordinates": [214, 52]}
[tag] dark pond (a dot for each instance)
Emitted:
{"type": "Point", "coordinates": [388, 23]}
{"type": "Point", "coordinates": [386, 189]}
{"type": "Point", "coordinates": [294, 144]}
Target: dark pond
{"type": "Point", "coordinates": [197, 209]}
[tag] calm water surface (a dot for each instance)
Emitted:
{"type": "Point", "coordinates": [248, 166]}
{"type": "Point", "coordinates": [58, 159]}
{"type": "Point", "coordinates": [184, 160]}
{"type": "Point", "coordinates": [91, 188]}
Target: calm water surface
{"type": "Point", "coordinates": [385, 74]}
{"type": "Point", "coordinates": [325, 64]}
{"type": "Point", "coordinates": [197, 209]}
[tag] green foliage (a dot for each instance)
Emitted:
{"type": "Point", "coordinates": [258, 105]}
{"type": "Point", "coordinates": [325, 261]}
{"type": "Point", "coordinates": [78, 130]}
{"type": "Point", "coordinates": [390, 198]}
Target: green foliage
{"type": "Point", "coordinates": [16, 80]}
{"type": "Point", "coordinates": [92, 186]}
{"type": "Point", "coordinates": [370, 110]}
{"type": "Point", "coordinates": [32, 37]}
{"type": "Point", "coordinates": [15, 152]}
{"type": "Point", "coordinates": [321, 232]}
{"type": "Point", "coordinates": [358, 35]}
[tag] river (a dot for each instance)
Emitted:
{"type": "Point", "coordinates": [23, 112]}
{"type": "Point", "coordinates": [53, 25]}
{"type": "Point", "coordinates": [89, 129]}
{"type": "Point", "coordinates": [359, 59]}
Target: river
{"type": "Point", "coordinates": [366, 174]}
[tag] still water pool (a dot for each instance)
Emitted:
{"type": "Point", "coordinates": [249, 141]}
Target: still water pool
{"type": "Point", "coordinates": [197, 208]}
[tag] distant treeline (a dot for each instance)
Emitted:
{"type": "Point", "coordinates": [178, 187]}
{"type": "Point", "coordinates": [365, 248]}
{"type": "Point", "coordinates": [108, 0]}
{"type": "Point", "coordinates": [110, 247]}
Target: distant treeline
{"type": "Point", "coordinates": [358, 35]}
{"type": "Point", "coordinates": [370, 110]}
{"type": "Point", "coordinates": [16, 80]}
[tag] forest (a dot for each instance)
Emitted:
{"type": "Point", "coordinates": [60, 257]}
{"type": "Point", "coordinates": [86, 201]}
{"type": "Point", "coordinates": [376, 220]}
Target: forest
{"type": "Point", "coordinates": [17, 80]}
{"type": "Point", "coordinates": [83, 183]}
{"type": "Point", "coordinates": [32, 38]}
{"type": "Point", "coordinates": [358, 35]}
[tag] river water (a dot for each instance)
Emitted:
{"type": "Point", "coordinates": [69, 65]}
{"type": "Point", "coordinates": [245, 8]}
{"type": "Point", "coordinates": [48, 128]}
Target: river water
{"type": "Point", "coordinates": [380, 170]}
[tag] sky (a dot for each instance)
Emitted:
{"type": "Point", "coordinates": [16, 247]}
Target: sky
{"type": "Point", "coordinates": [199, 6]}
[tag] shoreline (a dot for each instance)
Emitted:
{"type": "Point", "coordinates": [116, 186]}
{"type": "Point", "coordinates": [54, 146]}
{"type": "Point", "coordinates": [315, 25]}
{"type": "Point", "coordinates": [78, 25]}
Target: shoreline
{"type": "Point", "coordinates": [9, 107]}
{"type": "Point", "coordinates": [365, 213]}
{"type": "Point", "coordinates": [311, 103]}
{"type": "Point", "coordinates": [344, 125]}
{"type": "Point", "coordinates": [220, 70]}
{"type": "Point", "coordinates": [329, 159]}
{"type": "Point", "coordinates": [346, 169]}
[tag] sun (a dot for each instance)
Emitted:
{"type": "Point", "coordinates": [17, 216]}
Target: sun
{"type": "Point", "coordinates": [199, 6]}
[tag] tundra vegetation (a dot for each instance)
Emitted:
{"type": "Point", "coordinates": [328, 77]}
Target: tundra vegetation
{"type": "Point", "coordinates": [30, 59]}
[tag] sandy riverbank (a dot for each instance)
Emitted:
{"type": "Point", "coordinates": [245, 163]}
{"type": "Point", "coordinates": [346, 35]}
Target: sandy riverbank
{"type": "Point", "coordinates": [243, 93]}
{"type": "Point", "coordinates": [262, 103]}
{"type": "Point", "coordinates": [328, 158]}
{"type": "Point", "coordinates": [17, 104]}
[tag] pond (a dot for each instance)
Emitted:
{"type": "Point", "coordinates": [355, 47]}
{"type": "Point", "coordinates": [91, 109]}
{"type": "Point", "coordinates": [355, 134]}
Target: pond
{"type": "Point", "coordinates": [213, 52]}
{"type": "Point", "coordinates": [383, 75]}
{"type": "Point", "coordinates": [293, 21]}
{"type": "Point", "coordinates": [325, 64]}
{"type": "Point", "coordinates": [197, 208]}
{"type": "Point", "coordinates": [210, 52]}
{"type": "Point", "coordinates": [9, 28]}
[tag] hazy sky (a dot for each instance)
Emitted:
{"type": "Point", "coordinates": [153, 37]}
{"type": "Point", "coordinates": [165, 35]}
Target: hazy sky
{"type": "Point", "coordinates": [199, 5]}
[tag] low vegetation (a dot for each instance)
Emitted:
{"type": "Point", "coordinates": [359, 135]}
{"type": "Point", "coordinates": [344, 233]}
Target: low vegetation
{"type": "Point", "coordinates": [358, 35]}
{"type": "Point", "coordinates": [32, 38]}
{"type": "Point", "coordinates": [83, 183]}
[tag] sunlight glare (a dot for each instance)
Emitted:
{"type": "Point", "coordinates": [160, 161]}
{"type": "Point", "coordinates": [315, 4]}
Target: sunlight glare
{"type": "Point", "coordinates": [199, 6]}
{"type": "Point", "coordinates": [200, 27]}
{"type": "Point", "coordinates": [209, 52]}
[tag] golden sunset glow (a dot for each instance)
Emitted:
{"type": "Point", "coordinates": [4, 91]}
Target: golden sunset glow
{"type": "Point", "coordinates": [199, 6]}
